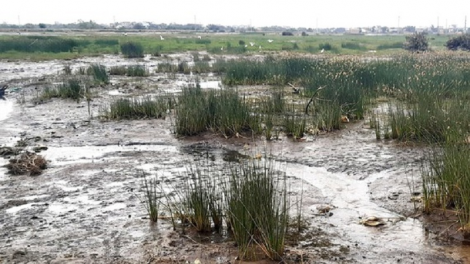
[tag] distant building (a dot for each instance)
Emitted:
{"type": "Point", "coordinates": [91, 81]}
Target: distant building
{"type": "Point", "coordinates": [354, 31]}
{"type": "Point", "coordinates": [339, 30]}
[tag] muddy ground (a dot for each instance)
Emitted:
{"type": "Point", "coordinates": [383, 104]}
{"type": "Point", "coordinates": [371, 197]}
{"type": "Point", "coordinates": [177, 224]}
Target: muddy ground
{"type": "Point", "coordinates": [86, 206]}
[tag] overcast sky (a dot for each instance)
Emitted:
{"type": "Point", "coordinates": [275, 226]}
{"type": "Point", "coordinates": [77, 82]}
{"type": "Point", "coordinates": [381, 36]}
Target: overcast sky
{"type": "Point", "coordinates": [295, 13]}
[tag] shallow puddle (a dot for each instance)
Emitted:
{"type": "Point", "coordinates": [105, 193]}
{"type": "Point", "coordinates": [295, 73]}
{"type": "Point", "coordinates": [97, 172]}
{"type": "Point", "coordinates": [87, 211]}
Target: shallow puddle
{"type": "Point", "coordinates": [6, 107]}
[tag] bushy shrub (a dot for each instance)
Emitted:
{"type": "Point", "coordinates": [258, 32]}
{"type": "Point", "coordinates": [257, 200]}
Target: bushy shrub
{"type": "Point", "coordinates": [416, 42]}
{"type": "Point", "coordinates": [132, 50]}
{"type": "Point", "coordinates": [460, 42]}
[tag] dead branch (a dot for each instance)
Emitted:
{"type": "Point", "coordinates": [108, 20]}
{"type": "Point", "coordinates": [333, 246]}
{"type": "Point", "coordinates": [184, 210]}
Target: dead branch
{"type": "Point", "coordinates": [313, 97]}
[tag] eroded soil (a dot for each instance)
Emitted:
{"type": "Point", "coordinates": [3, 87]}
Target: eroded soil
{"type": "Point", "coordinates": [86, 207]}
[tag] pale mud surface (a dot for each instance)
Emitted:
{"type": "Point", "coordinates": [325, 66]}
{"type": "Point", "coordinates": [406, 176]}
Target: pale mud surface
{"type": "Point", "coordinates": [86, 207]}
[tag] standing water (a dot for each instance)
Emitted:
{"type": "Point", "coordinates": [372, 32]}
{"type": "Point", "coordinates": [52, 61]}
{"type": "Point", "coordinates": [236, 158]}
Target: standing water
{"type": "Point", "coordinates": [6, 107]}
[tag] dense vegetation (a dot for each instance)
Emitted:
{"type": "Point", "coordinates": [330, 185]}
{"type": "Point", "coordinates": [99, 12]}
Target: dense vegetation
{"type": "Point", "coordinates": [61, 47]}
{"type": "Point", "coordinates": [459, 42]}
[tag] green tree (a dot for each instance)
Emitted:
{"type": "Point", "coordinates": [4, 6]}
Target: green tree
{"type": "Point", "coordinates": [416, 42]}
{"type": "Point", "coordinates": [460, 42]}
{"type": "Point", "coordinates": [42, 25]}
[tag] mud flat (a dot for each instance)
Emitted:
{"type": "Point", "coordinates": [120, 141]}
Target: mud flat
{"type": "Point", "coordinates": [86, 207]}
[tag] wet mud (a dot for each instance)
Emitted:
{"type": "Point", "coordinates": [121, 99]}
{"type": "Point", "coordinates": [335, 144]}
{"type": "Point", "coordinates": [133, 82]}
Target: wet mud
{"type": "Point", "coordinates": [86, 207]}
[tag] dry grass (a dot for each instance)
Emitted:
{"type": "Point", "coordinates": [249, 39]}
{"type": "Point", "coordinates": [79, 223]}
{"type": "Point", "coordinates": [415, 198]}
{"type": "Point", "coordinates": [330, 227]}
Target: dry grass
{"type": "Point", "coordinates": [27, 163]}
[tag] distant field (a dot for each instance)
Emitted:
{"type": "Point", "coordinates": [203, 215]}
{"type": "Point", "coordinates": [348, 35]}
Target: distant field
{"type": "Point", "coordinates": [67, 45]}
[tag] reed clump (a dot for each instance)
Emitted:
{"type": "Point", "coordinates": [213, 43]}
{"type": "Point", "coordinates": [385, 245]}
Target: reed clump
{"type": "Point", "coordinates": [118, 70]}
{"type": "Point", "coordinates": [167, 67]}
{"type": "Point", "coordinates": [137, 71]}
{"type": "Point", "coordinates": [152, 197]}
{"type": "Point", "coordinates": [249, 197]}
{"type": "Point", "coordinates": [257, 203]}
{"type": "Point", "coordinates": [71, 88]}
{"type": "Point", "coordinates": [137, 108]}
{"type": "Point", "coordinates": [99, 73]}
{"type": "Point", "coordinates": [221, 111]}
{"type": "Point", "coordinates": [132, 50]}
{"type": "Point", "coordinates": [35, 44]}
{"type": "Point", "coordinates": [446, 182]}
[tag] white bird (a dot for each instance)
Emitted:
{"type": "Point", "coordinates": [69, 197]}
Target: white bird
{"type": "Point", "coordinates": [199, 37]}
{"type": "Point", "coordinates": [252, 44]}
{"type": "Point", "coordinates": [161, 38]}
{"type": "Point", "coordinates": [246, 46]}
{"type": "Point", "coordinates": [125, 34]}
{"type": "Point", "coordinates": [260, 47]}
{"type": "Point", "coordinates": [270, 40]}
{"type": "Point", "coordinates": [222, 48]}
{"type": "Point", "coordinates": [322, 50]}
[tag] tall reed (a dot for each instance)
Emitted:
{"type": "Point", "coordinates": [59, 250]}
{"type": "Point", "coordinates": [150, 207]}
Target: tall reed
{"type": "Point", "coordinates": [99, 73]}
{"type": "Point", "coordinates": [137, 70]}
{"type": "Point", "coordinates": [132, 50]}
{"type": "Point", "coordinates": [204, 199]}
{"type": "Point", "coordinates": [257, 208]}
{"type": "Point", "coordinates": [221, 111]}
{"type": "Point", "coordinates": [151, 198]}
{"type": "Point", "coordinates": [137, 108]}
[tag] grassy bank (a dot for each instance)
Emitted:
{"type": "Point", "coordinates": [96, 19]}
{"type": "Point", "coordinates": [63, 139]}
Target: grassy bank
{"type": "Point", "coordinates": [41, 47]}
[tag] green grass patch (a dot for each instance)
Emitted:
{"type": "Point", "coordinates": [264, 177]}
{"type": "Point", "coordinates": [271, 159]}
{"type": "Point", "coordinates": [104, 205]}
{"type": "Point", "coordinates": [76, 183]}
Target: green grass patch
{"type": "Point", "coordinates": [221, 111]}
{"type": "Point", "coordinates": [132, 50]}
{"type": "Point", "coordinates": [137, 108]}
{"type": "Point", "coordinates": [446, 184]}
{"type": "Point", "coordinates": [99, 73]}
{"type": "Point", "coordinates": [72, 88]}
{"type": "Point", "coordinates": [51, 47]}
{"type": "Point", "coordinates": [137, 71]}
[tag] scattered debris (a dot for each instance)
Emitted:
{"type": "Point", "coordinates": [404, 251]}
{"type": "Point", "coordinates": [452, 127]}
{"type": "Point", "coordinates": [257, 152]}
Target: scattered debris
{"type": "Point", "coordinates": [323, 209]}
{"type": "Point", "coordinates": [9, 151]}
{"type": "Point", "coordinates": [372, 221]}
{"type": "Point", "coordinates": [27, 162]}
{"type": "Point", "coordinates": [39, 148]}
{"type": "Point", "coordinates": [295, 90]}
{"type": "Point", "coordinates": [344, 119]}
